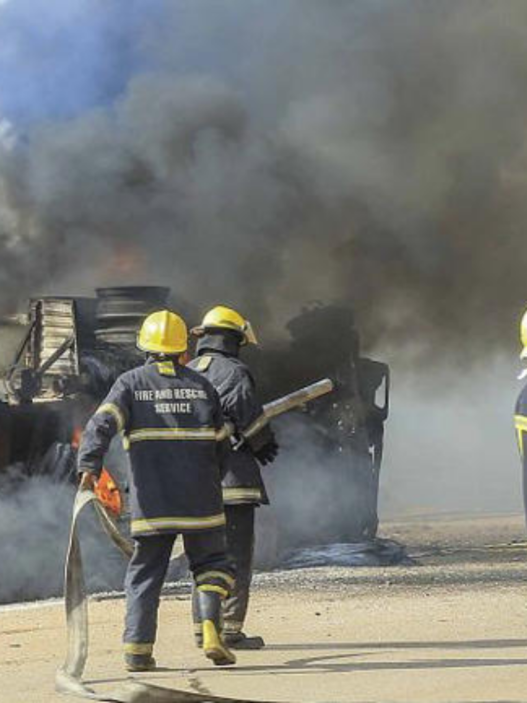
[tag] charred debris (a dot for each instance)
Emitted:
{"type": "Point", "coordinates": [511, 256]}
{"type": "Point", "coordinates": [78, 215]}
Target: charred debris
{"type": "Point", "coordinates": [59, 357]}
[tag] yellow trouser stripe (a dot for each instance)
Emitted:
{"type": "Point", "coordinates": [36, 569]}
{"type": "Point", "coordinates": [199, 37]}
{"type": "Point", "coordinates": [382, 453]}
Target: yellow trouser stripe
{"type": "Point", "coordinates": [242, 494]}
{"type": "Point", "coordinates": [138, 647]}
{"type": "Point", "coordinates": [167, 523]}
{"type": "Point", "coordinates": [173, 433]}
{"type": "Point", "coordinates": [214, 589]}
{"type": "Point", "coordinates": [216, 575]}
{"type": "Point", "coordinates": [113, 410]}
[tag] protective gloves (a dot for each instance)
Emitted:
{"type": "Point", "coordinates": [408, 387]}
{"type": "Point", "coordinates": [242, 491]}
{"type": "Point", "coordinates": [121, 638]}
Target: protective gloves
{"type": "Point", "coordinates": [267, 454]}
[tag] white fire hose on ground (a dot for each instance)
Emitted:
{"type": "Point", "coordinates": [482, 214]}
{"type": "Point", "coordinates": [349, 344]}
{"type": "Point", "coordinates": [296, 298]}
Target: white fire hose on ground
{"type": "Point", "coordinates": [68, 678]}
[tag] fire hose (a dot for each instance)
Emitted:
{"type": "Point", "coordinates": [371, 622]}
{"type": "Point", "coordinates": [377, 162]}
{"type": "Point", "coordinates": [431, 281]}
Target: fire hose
{"type": "Point", "coordinates": [288, 402]}
{"type": "Point", "coordinates": [69, 677]}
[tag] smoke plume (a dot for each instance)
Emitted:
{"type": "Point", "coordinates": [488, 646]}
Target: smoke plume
{"type": "Point", "coordinates": [369, 152]}
{"type": "Point", "coordinates": [266, 155]}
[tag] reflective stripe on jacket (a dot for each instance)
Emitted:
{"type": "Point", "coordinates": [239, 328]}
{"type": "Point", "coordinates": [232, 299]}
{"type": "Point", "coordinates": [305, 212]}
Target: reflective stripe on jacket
{"type": "Point", "coordinates": [520, 423]}
{"type": "Point", "coordinates": [172, 420]}
{"type": "Point", "coordinates": [242, 481]}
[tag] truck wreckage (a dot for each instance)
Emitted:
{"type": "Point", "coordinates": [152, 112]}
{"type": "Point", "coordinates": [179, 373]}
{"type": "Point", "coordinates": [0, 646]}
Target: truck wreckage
{"type": "Point", "coordinates": [59, 358]}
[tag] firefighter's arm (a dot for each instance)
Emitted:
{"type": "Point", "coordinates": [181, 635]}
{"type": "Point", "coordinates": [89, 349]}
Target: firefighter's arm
{"type": "Point", "coordinates": [222, 432]}
{"type": "Point", "coordinates": [110, 418]}
{"type": "Point", "coordinates": [242, 406]}
{"type": "Point", "coordinates": [520, 423]}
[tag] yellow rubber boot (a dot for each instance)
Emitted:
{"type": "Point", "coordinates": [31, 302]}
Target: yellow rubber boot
{"type": "Point", "coordinates": [213, 646]}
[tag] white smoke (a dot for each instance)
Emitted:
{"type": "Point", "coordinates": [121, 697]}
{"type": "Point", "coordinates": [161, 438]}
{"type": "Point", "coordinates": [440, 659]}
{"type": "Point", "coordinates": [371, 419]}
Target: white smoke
{"type": "Point", "coordinates": [35, 517]}
{"type": "Point", "coordinates": [450, 444]}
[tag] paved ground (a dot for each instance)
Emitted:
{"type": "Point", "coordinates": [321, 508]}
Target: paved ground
{"type": "Point", "coordinates": [453, 628]}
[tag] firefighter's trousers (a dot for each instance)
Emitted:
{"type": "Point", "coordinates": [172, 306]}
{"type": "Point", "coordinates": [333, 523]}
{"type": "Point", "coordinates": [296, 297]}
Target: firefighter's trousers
{"type": "Point", "coordinates": [240, 546]}
{"type": "Point", "coordinates": [211, 570]}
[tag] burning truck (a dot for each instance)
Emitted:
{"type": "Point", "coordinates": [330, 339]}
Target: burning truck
{"type": "Point", "coordinates": [59, 358]}
{"type": "Point", "coordinates": [58, 361]}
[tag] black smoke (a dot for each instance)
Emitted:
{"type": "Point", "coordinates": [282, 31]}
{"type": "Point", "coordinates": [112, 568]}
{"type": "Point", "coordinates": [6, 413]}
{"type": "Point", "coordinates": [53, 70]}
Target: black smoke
{"type": "Point", "coordinates": [269, 154]}
{"type": "Point", "coordinates": [266, 155]}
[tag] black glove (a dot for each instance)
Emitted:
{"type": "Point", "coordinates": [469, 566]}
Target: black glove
{"type": "Point", "coordinates": [267, 454]}
{"type": "Point", "coordinates": [264, 445]}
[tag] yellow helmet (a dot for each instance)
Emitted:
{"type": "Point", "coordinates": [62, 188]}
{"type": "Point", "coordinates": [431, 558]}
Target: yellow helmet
{"type": "Point", "coordinates": [523, 336]}
{"type": "Point", "coordinates": [163, 332]}
{"type": "Point", "coordinates": [222, 317]}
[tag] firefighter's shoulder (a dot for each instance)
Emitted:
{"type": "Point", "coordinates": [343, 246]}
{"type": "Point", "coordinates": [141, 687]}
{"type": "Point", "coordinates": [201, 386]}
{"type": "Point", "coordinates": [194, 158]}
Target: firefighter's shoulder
{"type": "Point", "coordinates": [222, 367]}
{"type": "Point", "coordinates": [132, 376]}
{"type": "Point", "coordinates": [239, 368]}
{"type": "Point", "coordinates": [191, 374]}
{"type": "Point", "coordinates": [126, 378]}
{"type": "Point", "coordinates": [202, 363]}
{"type": "Point", "coordinates": [235, 374]}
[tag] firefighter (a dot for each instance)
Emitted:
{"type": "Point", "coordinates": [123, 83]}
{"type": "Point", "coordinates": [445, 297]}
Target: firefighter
{"type": "Point", "coordinates": [221, 335]}
{"type": "Point", "coordinates": [520, 417]}
{"type": "Point", "coordinates": [173, 425]}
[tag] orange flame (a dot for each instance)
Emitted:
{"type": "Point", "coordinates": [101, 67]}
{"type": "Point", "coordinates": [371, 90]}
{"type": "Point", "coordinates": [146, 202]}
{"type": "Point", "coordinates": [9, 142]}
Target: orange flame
{"type": "Point", "coordinates": [106, 490]}
{"type": "Point", "coordinates": [108, 493]}
{"type": "Point", "coordinates": [125, 260]}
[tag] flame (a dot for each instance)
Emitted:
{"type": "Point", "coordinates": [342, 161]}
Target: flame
{"type": "Point", "coordinates": [124, 262]}
{"type": "Point", "coordinates": [108, 493]}
{"type": "Point", "coordinates": [106, 490]}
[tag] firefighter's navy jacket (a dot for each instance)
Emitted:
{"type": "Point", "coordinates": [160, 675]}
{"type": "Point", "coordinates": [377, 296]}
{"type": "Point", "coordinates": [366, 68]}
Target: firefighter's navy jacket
{"type": "Point", "coordinates": [172, 421]}
{"type": "Point", "coordinates": [218, 361]}
{"type": "Point", "coordinates": [520, 423]}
